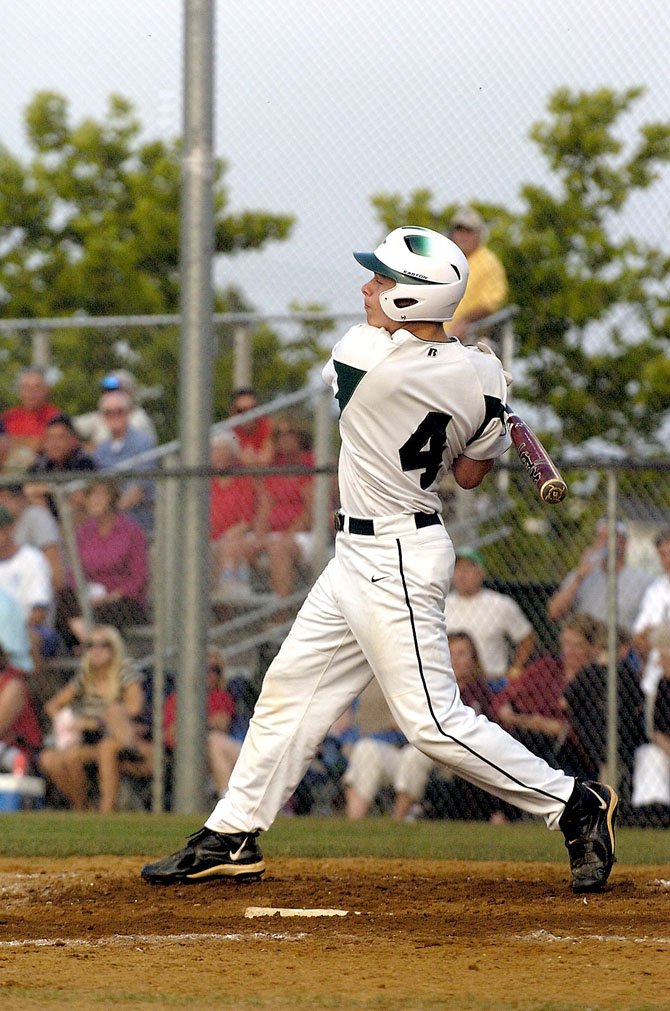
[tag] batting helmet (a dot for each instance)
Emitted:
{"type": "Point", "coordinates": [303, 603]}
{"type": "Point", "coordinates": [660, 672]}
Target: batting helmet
{"type": "Point", "coordinates": [429, 269]}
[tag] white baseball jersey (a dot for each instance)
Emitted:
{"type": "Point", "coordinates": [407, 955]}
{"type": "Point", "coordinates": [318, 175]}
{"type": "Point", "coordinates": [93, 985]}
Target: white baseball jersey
{"type": "Point", "coordinates": [408, 409]}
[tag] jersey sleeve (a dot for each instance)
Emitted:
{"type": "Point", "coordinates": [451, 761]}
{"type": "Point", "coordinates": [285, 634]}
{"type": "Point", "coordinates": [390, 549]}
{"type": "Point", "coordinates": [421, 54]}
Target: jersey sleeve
{"type": "Point", "coordinates": [491, 439]}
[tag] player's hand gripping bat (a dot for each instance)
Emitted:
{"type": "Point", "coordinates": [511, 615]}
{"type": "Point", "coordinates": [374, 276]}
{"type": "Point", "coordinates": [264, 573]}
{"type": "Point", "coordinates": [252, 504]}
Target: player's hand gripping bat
{"type": "Point", "coordinates": [539, 465]}
{"type": "Point", "coordinates": [541, 468]}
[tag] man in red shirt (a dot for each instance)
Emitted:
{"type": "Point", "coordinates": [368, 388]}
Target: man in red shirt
{"type": "Point", "coordinates": [26, 422]}
{"type": "Point", "coordinates": [284, 515]}
{"type": "Point", "coordinates": [19, 729]}
{"type": "Point", "coordinates": [232, 508]}
{"type": "Point", "coordinates": [254, 437]}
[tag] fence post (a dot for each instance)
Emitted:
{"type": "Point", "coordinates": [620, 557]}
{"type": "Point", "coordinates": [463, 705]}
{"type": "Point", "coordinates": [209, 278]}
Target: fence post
{"type": "Point", "coordinates": [242, 358]}
{"type": "Point", "coordinates": [70, 537]}
{"type": "Point", "coordinates": [612, 757]}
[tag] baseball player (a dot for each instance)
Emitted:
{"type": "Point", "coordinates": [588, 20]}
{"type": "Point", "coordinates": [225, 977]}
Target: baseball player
{"type": "Point", "coordinates": [413, 402]}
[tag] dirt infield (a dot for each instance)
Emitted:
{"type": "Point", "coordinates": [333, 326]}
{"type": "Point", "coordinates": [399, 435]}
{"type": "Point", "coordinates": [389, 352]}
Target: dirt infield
{"type": "Point", "coordinates": [87, 933]}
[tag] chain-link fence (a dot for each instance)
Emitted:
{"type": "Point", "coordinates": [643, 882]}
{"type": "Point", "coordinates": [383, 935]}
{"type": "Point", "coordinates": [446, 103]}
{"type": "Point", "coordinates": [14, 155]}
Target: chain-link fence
{"type": "Point", "coordinates": [559, 617]}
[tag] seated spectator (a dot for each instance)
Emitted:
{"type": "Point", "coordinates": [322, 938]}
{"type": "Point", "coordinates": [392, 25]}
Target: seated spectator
{"type": "Point", "coordinates": [94, 718]}
{"type": "Point", "coordinates": [450, 796]}
{"type": "Point", "coordinates": [254, 437]}
{"type": "Point", "coordinates": [232, 507]}
{"type": "Point", "coordinates": [35, 525]}
{"type": "Point", "coordinates": [282, 528]}
{"type": "Point", "coordinates": [123, 444]}
{"type": "Point", "coordinates": [584, 590]}
{"type": "Point", "coordinates": [62, 453]}
{"type": "Point", "coordinates": [25, 423]}
{"type": "Point", "coordinates": [530, 707]}
{"type": "Point", "coordinates": [487, 284]}
{"type": "Point", "coordinates": [653, 614]}
{"type": "Point", "coordinates": [381, 757]}
{"type": "Point", "coordinates": [25, 575]}
{"type": "Point", "coordinates": [93, 428]}
{"type": "Point", "coordinates": [320, 790]}
{"type": "Point", "coordinates": [14, 634]}
{"type": "Point", "coordinates": [495, 621]}
{"type": "Point", "coordinates": [585, 704]}
{"type": "Point", "coordinates": [651, 773]}
{"type": "Point", "coordinates": [20, 735]}
{"type": "Point", "coordinates": [114, 557]}
{"type": "Point", "coordinates": [222, 747]}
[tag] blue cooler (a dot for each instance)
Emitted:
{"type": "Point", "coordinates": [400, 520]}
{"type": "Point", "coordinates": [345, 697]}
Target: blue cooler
{"type": "Point", "coordinates": [17, 792]}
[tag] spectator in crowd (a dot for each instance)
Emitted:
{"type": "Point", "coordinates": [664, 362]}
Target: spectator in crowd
{"type": "Point", "coordinates": [651, 774]}
{"type": "Point", "coordinates": [114, 558]}
{"type": "Point", "coordinates": [232, 508]}
{"type": "Point", "coordinates": [381, 757]}
{"type": "Point", "coordinates": [446, 795]}
{"type": "Point", "coordinates": [487, 284]}
{"type": "Point", "coordinates": [123, 444]}
{"type": "Point", "coordinates": [654, 612]}
{"type": "Point", "coordinates": [494, 620]}
{"type": "Point", "coordinates": [282, 527]}
{"type": "Point", "coordinates": [222, 747]}
{"type": "Point", "coordinates": [530, 708]}
{"type": "Point", "coordinates": [95, 724]}
{"type": "Point", "coordinates": [62, 453]}
{"type": "Point", "coordinates": [25, 575]}
{"type": "Point", "coordinates": [584, 590]}
{"type": "Point", "coordinates": [320, 790]}
{"type": "Point", "coordinates": [93, 427]}
{"type": "Point", "coordinates": [14, 633]}
{"type": "Point", "coordinates": [20, 735]}
{"type": "Point", "coordinates": [254, 437]}
{"type": "Point", "coordinates": [25, 423]}
{"type": "Point", "coordinates": [585, 702]}
{"type": "Point", "coordinates": [35, 525]}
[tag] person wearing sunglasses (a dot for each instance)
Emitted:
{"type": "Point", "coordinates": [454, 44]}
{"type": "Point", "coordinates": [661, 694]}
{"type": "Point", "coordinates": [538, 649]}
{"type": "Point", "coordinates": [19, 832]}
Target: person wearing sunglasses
{"type": "Point", "coordinates": [95, 722]}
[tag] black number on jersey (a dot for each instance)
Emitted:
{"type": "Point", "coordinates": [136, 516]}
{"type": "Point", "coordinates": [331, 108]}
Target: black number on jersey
{"type": "Point", "coordinates": [423, 450]}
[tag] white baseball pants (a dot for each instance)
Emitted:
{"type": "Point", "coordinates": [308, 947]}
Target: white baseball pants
{"type": "Point", "coordinates": [377, 610]}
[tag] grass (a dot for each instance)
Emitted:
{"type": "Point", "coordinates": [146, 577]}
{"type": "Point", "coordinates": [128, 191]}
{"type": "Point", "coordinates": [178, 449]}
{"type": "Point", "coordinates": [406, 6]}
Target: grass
{"type": "Point", "coordinates": [63, 833]}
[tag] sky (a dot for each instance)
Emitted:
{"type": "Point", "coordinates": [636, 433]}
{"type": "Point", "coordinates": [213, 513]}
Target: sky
{"type": "Point", "coordinates": [318, 106]}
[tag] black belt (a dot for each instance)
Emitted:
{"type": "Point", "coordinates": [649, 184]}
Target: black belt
{"type": "Point", "coordinates": [367, 527]}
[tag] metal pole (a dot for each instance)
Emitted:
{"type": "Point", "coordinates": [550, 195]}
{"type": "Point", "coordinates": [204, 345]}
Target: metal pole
{"type": "Point", "coordinates": [321, 525]}
{"type": "Point", "coordinates": [160, 591]}
{"type": "Point", "coordinates": [41, 349]}
{"type": "Point", "coordinates": [612, 758]}
{"type": "Point", "coordinates": [196, 359]}
{"type": "Point", "coordinates": [69, 536]}
{"type": "Point", "coordinates": [242, 363]}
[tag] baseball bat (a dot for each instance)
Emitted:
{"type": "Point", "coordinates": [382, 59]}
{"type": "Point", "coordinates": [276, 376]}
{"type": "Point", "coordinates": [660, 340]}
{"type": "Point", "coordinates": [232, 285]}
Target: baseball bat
{"type": "Point", "coordinates": [540, 467]}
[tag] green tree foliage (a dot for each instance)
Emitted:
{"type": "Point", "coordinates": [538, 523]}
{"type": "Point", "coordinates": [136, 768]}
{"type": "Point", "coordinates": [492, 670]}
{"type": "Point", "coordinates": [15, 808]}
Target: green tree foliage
{"type": "Point", "coordinates": [595, 314]}
{"type": "Point", "coordinates": [90, 225]}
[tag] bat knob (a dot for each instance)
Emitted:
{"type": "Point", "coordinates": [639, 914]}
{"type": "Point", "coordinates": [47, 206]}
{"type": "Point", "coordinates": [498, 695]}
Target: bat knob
{"type": "Point", "coordinates": [553, 491]}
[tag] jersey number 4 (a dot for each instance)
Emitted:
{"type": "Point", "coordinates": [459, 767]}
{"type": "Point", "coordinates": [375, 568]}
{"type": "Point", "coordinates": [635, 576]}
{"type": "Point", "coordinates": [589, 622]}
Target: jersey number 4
{"type": "Point", "coordinates": [423, 450]}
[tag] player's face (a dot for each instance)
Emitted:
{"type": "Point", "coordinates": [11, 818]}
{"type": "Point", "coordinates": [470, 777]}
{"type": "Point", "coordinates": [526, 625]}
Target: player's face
{"type": "Point", "coordinates": [373, 310]}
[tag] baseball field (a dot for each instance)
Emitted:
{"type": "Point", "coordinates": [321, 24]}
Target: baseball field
{"type": "Point", "coordinates": [428, 915]}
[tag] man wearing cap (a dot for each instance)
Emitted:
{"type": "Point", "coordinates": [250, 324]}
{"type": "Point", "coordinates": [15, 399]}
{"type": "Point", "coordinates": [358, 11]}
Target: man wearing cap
{"type": "Point", "coordinates": [584, 590]}
{"type": "Point", "coordinates": [93, 427]}
{"type": "Point", "coordinates": [486, 290]}
{"type": "Point", "coordinates": [493, 620]}
{"type": "Point", "coordinates": [654, 613]}
{"type": "Point", "coordinates": [35, 525]}
{"type": "Point", "coordinates": [25, 576]}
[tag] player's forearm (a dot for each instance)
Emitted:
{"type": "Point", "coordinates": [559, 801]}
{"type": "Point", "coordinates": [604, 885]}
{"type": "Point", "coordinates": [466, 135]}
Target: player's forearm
{"type": "Point", "coordinates": [470, 473]}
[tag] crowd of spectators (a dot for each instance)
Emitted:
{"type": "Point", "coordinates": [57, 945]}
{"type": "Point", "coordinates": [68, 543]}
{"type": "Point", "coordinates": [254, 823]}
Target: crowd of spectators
{"type": "Point", "coordinates": [85, 733]}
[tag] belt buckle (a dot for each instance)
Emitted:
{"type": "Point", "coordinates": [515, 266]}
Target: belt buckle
{"type": "Point", "coordinates": [338, 520]}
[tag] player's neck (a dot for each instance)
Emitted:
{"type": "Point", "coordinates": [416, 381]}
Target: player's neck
{"type": "Point", "coordinates": [431, 332]}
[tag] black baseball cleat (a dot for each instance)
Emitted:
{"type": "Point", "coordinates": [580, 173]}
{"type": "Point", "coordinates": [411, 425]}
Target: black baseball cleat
{"type": "Point", "coordinates": [588, 826]}
{"type": "Point", "coordinates": [209, 854]}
